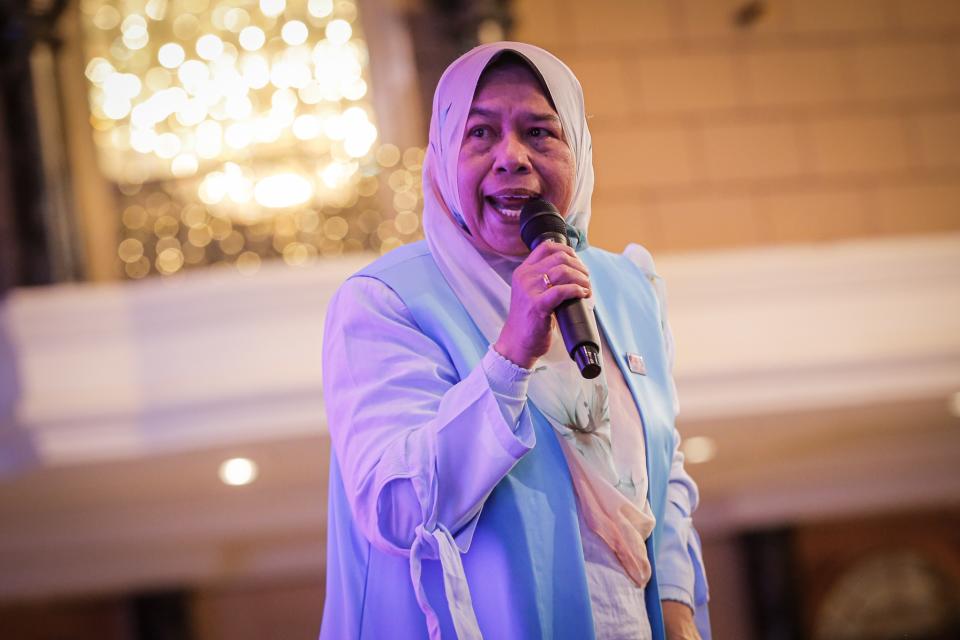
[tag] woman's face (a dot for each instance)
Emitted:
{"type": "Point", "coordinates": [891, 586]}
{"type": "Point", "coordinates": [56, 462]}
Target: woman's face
{"type": "Point", "coordinates": [513, 149]}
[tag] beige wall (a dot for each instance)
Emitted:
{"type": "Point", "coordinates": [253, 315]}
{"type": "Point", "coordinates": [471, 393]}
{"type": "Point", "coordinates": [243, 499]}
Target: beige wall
{"type": "Point", "coordinates": [824, 120]}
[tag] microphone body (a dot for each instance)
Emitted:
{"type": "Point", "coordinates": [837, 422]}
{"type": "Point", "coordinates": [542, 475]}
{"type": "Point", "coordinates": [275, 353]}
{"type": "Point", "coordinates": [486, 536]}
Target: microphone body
{"type": "Point", "coordinates": [540, 221]}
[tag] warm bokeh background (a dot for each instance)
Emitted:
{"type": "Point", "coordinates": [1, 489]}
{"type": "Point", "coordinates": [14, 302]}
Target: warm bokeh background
{"type": "Point", "coordinates": [820, 120]}
{"type": "Point", "coordinates": [792, 164]}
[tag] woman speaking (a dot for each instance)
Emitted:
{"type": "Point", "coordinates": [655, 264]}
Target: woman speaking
{"type": "Point", "coordinates": [480, 486]}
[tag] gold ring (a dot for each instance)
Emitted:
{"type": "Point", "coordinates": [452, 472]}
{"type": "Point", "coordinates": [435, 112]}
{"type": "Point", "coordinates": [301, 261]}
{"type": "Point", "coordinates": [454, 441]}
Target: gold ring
{"type": "Point", "coordinates": [546, 281]}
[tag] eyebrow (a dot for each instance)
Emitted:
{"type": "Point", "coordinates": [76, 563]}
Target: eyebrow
{"type": "Point", "coordinates": [486, 113]}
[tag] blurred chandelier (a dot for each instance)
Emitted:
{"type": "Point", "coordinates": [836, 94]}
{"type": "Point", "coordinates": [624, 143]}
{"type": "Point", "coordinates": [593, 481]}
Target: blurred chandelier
{"type": "Point", "coordinates": [237, 130]}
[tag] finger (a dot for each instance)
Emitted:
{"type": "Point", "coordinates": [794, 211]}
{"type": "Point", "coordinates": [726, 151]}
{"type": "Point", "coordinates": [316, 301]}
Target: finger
{"type": "Point", "coordinates": [566, 274]}
{"type": "Point", "coordinates": [536, 281]}
{"type": "Point", "coordinates": [552, 251]}
{"type": "Point", "coordinates": [552, 260]}
{"type": "Point", "coordinates": [553, 296]}
{"type": "Point", "coordinates": [548, 247]}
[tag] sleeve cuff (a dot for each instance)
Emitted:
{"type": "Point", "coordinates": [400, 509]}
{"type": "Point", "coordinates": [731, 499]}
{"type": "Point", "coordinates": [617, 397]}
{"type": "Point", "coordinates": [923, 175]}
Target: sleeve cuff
{"type": "Point", "coordinates": [508, 382]}
{"type": "Point", "coordinates": [504, 375]}
{"type": "Point", "coordinates": [677, 594]}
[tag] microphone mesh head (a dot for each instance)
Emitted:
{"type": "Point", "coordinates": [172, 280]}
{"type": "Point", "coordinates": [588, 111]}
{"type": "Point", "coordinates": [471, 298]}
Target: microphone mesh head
{"type": "Point", "coordinates": [538, 217]}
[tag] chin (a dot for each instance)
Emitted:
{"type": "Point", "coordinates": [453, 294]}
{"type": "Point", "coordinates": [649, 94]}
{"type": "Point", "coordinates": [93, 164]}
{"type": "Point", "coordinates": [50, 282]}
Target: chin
{"type": "Point", "coordinates": [514, 250]}
{"type": "Point", "coordinates": [502, 248]}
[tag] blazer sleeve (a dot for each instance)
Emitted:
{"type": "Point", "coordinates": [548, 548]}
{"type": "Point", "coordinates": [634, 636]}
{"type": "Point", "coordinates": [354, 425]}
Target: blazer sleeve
{"type": "Point", "coordinates": [679, 561]}
{"type": "Point", "coordinates": [419, 448]}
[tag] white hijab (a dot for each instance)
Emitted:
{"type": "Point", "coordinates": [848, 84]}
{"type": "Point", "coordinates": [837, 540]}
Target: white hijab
{"type": "Point", "coordinates": [609, 507]}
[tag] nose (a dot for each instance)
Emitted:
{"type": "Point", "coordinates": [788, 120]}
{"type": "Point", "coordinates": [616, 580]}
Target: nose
{"type": "Point", "coordinates": [512, 155]}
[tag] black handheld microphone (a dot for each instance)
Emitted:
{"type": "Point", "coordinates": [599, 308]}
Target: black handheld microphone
{"type": "Point", "coordinates": [540, 221]}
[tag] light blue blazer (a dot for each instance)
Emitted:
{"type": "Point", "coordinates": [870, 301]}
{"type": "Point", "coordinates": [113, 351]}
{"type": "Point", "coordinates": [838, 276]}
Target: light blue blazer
{"type": "Point", "coordinates": [525, 563]}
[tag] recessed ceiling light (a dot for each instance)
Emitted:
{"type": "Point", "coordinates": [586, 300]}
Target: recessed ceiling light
{"type": "Point", "coordinates": [238, 471]}
{"type": "Point", "coordinates": [699, 449]}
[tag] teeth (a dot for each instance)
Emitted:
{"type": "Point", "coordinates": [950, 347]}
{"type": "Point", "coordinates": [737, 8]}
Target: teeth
{"type": "Point", "coordinates": [509, 206]}
{"type": "Point", "coordinates": [506, 212]}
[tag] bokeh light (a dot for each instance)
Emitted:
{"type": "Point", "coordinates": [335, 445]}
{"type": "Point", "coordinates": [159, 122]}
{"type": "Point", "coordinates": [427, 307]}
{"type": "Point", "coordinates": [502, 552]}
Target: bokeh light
{"type": "Point", "coordinates": [699, 449]}
{"type": "Point", "coordinates": [241, 130]}
{"type": "Point", "coordinates": [238, 471]}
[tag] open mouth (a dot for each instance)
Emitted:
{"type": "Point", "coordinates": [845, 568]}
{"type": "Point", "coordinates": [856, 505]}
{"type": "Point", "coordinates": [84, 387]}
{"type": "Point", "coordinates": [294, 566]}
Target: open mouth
{"type": "Point", "coordinates": [509, 203]}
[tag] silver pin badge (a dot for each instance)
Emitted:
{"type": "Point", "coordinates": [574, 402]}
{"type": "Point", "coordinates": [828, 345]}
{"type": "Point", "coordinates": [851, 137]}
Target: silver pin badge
{"type": "Point", "coordinates": [636, 364]}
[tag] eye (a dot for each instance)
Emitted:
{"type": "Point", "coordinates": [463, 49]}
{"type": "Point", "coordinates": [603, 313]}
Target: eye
{"type": "Point", "coordinates": [480, 131]}
{"type": "Point", "coordinates": [540, 132]}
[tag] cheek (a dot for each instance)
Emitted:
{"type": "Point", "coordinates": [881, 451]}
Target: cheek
{"type": "Point", "coordinates": [468, 185]}
{"type": "Point", "coordinates": [563, 177]}
{"type": "Point", "coordinates": [468, 173]}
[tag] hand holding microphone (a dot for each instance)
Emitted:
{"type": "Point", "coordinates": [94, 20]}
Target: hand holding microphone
{"type": "Point", "coordinates": [551, 280]}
